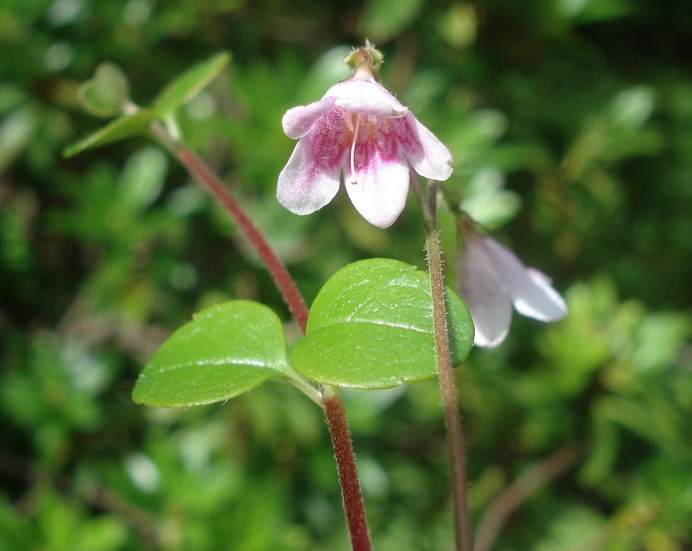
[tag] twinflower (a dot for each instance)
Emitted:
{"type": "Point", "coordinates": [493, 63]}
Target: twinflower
{"type": "Point", "coordinates": [362, 131]}
{"type": "Point", "coordinates": [491, 279]}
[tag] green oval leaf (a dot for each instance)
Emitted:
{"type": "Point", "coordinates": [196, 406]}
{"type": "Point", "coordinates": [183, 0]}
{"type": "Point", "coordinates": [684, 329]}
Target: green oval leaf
{"type": "Point", "coordinates": [119, 129]}
{"type": "Point", "coordinates": [224, 351]}
{"type": "Point", "coordinates": [183, 88]}
{"type": "Point", "coordinates": [371, 327]}
{"type": "Point", "coordinates": [106, 93]}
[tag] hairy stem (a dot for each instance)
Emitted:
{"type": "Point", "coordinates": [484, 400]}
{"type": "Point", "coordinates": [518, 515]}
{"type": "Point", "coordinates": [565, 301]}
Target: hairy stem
{"type": "Point", "coordinates": [346, 467]}
{"type": "Point", "coordinates": [450, 404]}
{"type": "Point", "coordinates": [332, 402]}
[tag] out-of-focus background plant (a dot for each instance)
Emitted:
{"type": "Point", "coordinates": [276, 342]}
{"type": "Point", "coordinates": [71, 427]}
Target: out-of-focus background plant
{"type": "Point", "coordinates": [571, 126]}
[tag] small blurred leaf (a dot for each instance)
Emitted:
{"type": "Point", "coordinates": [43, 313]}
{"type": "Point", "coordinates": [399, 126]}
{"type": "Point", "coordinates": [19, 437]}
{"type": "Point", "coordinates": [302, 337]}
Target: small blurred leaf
{"type": "Point", "coordinates": [486, 200]}
{"type": "Point", "coordinates": [142, 178]}
{"type": "Point", "coordinates": [15, 131]}
{"type": "Point", "coordinates": [119, 129]}
{"type": "Point", "coordinates": [60, 523]}
{"type": "Point", "coordinates": [224, 351]}
{"type": "Point", "coordinates": [569, 528]}
{"type": "Point", "coordinates": [603, 447]}
{"type": "Point", "coordinates": [591, 11]}
{"type": "Point", "coordinates": [183, 88]}
{"type": "Point", "coordinates": [384, 19]}
{"type": "Point", "coordinates": [371, 327]}
{"type": "Point", "coordinates": [632, 108]}
{"type": "Point", "coordinates": [459, 25]}
{"type": "Point", "coordinates": [325, 71]}
{"type": "Point", "coordinates": [106, 93]}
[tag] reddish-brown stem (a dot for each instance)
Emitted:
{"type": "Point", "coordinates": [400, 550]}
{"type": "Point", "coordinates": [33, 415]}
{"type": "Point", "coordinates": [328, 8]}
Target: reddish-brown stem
{"type": "Point", "coordinates": [284, 281]}
{"type": "Point", "coordinates": [332, 401]}
{"type": "Point", "coordinates": [450, 404]}
{"type": "Point", "coordinates": [346, 467]}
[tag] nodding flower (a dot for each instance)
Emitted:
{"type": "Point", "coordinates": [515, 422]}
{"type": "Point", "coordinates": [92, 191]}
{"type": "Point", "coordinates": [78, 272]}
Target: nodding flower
{"type": "Point", "coordinates": [362, 131]}
{"type": "Point", "coordinates": [491, 279]}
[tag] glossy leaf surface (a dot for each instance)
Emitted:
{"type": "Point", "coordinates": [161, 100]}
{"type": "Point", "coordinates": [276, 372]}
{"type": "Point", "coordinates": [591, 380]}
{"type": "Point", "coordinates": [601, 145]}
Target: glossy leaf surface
{"type": "Point", "coordinates": [224, 351]}
{"type": "Point", "coordinates": [371, 327]}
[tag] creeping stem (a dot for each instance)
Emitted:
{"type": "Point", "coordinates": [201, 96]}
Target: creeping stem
{"type": "Point", "coordinates": [332, 402]}
{"type": "Point", "coordinates": [450, 404]}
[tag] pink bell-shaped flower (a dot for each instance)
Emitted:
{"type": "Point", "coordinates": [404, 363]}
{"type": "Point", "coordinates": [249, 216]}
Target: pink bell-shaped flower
{"type": "Point", "coordinates": [491, 279]}
{"type": "Point", "coordinates": [361, 130]}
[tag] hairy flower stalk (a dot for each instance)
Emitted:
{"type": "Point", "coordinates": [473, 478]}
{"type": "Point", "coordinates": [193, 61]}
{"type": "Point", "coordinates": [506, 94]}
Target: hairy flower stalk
{"type": "Point", "coordinates": [450, 403]}
{"type": "Point", "coordinates": [362, 131]}
{"type": "Point", "coordinates": [491, 279]}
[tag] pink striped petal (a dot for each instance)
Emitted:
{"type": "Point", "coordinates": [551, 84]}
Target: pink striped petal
{"type": "Point", "coordinates": [298, 121]}
{"type": "Point", "coordinates": [380, 187]}
{"type": "Point", "coordinates": [428, 156]}
{"type": "Point", "coordinates": [305, 186]}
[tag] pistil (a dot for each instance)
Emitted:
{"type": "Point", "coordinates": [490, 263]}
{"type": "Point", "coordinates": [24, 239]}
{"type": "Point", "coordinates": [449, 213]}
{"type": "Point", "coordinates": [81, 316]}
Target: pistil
{"type": "Point", "coordinates": [353, 150]}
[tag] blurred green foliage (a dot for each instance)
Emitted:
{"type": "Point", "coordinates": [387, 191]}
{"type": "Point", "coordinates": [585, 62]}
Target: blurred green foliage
{"type": "Point", "coordinates": [571, 126]}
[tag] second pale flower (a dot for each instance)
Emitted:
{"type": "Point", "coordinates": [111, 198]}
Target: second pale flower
{"type": "Point", "coordinates": [361, 130]}
{"type": "Point", "coordinates": [492, 279]}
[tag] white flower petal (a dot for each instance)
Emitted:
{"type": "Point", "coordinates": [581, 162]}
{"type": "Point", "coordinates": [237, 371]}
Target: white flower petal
{"type": "Point", "coordinates": [484, 294]}
{"type": "Point", "coordinates": [381, 186]}
{"type": "Point", "coordinates": [428, 156]}
{"type": "Point", "coordinates": [367, 98]}
{"type": "Point", "coordinates": [304, 186]}
{"type": "Point", "coordinates": [529, 289]}
{"type": "Point", "coordinates": [298, 121]}
{"type": "Point", "coordinates": [553, 308]}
